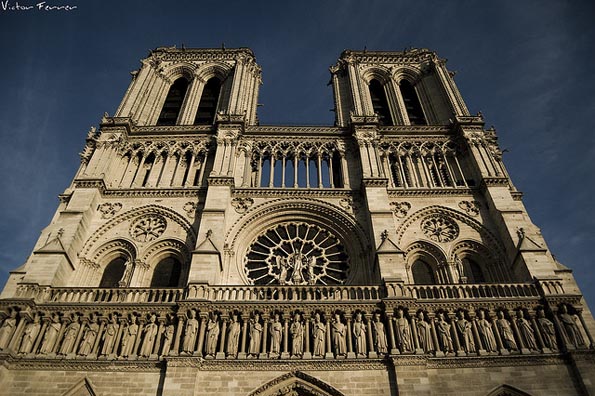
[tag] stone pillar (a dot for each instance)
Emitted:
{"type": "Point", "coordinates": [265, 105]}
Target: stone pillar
{"type": "Point", "coordinates": [503, 351]}
{"type": "Point", "coordinates": [585, 328]}
{"type": "Point", "coordinates": [437, 349]}
{"type": "Point", "coordinates": [307, 352]}
{"type": "Point", "coordinates": [544, 349]}
{"type": "Point", "coordinates": [221, 353]}
{"type": "Point", "coordinates": [265, 335]}
{"type": "Point", "coordinates": [285, 354]}
{"type": "Point", "coordinates": [158, 338]}
{"type": "Point", "coordinates": [201, 334]}
{"type": "Point", "coordinates": [480, 348]}
{"type": "Point", "coordinates": [521, 343]}
{"type": "Point", "coordinates": [84, 324]}
{"type": "Point", "coordinates": [178, 335]}
{"type": "Point", "coordinates": [16, 336]}
{"type": "Point", "coordinates": [350, 353]}
{"type": "Point", "coordinates": [242, 354]}
{"type": "Point", "coordinates": [122, 321]}
{"type": "Point", "coordinates": [65, 323]}
{"type": "Point", "coordinates": [95, 350]}
{"type": "Point", "coordinates": [413, 324]}
{"type": "Point", "coordinates": [329, 352]}
{"type": "Point", "coordinates": [141, 326]}
{"type": "Point", "coordinates": [393, 350]}
{"type": "Point", "coordinates": [455, 335]}
{"type": "Point", "coordinates": [371, 351]}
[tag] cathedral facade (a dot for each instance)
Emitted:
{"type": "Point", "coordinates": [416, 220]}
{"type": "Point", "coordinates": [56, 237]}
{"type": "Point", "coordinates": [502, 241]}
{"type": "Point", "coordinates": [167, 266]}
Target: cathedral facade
{"type": "Point", "coordinates": [197, 252]}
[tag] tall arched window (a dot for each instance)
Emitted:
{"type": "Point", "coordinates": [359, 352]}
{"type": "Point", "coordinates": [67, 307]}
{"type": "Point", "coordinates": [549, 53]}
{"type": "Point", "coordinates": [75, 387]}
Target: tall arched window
{"type": "Point", "coordinates": [113, 272]}
{"type": "Point", "coordinates": [167, 273]}
{"type": "Point", "coordinates": [412, 105]}
{"type": "Point", "coordinates": [379, 103]}
{"type": "Point", "coordinates": [475, 272]}
{"type": "Point", "coordinates": [205, 115]}
{"type": "Point", "coordinates": [173, 102]}
{"type": "Point", "coordinates": [422, 273]}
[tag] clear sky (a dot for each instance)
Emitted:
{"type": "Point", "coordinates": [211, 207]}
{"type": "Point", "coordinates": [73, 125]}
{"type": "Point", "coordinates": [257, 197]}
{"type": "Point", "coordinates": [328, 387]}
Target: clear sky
{"type": "Point", "coordinates": [527, 65]}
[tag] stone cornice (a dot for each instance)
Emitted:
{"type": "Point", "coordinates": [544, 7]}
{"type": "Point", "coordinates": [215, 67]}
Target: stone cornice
{"type": "Point", "coordinates": [200, 54]}
{"type": "Point", "coordinates": [78, 364]}
{"type": "Point", "coordinates": [287, 131]}
{"type": "Point", "coordinates": [156, 192]}
{"type": "Point", "coordinates": [425, 192]}
{"type": "Point", "coordinates": [414, 55]}
{"type": "Point", "coordinates": [293, 192]}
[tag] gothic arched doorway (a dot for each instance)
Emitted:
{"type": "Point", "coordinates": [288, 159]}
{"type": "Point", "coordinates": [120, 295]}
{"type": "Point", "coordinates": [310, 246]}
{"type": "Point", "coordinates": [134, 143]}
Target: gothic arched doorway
{"type": "Point", "coordinates": [296, 383]}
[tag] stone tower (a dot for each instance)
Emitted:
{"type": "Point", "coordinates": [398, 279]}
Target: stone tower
{"type": "Point", "coordinates": [198, 252]}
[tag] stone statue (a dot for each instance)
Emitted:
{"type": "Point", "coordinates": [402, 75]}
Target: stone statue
{"type": "Point", "coordinates": [89, 337]}
{"type": "Point", "coordinates": [526, 331]}
{"type": "Point", "coordinates": [573, 333]}
{"type": "Point", "coordinates": [129, 338]}
{"type": "Point", "coordinates": [338, 333]}
{"type": "Point", "coordinates": [276, 331]}
{"type": "Point", "coordinates": [109, 336]}
{"type": "Point", "coordinates": [190, 333]}
{"type": "Point", "coordinates": [484, 328]}
{"type": "Point", "coordinates": [403, 332]}
{"type": "Point", "coordinates": [311, 262]}
{"type": "Point", "coordinates": [213, 331]}
{"type": "Point", "coordinates": [282, 264]}
{"type": "Point", "coordinates": [460, 269]}
{"type": "Point", "coordinates": [297, 336]}
{"type": "Point", "coordinates": [168, 336]}
{"type": "Point", "coordinates": [51, 335]}
{"type": "Point", "coordinates": [30, 335]}
{"type": "Point", "coordinates": [424, 333]}
{"type": "Point", "coordinates": [127, 275]}
{"type": "Point", "coordinates": [150, 330]}
{"type": "Point", "coordinates": [548, 332]}
{"type": "Point", "coordinates": [255, 336]}
{"type": "Point", "coordinates": [233, 336]}
{"type": "Point", "coordinates": [7, 329]}
{"type": "Point", "coordinates": [465, 333]}
{"type": "Point", "coordinates": [506, 332]}
{"type": "Point", "coordinates": [443, 333]}
{"type": "Point", "coordinates": [318, 333]}
{"type": "Point", "coordinates": [359, 335]}
{"type": "Point", "coordinates": [380, 342]}
{"type": "Point", "coordinates": [70, 335]}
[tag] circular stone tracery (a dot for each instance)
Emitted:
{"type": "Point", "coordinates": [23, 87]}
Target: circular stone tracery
{"type": "Point", "coordinates": [440, 228]}
{"type": "Point", "coordinates": [148, 228]}
{"type": "Point", "coordinates": [296, 254]}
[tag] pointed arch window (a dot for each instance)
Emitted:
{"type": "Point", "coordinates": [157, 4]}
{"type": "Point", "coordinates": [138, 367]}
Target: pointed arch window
{"type": "Point", "coordinates": [173, 102]}
{"type": "Point", "coordinates": [422, 273]}
{"type": "Point", "coordinates": [113, 272]}
{"type": "Point", "coordinates": [207, 107]}
{"type": "Point", "coordinates": [167, 273]}
{"type": "Point", "coordinates": [475, 272]}
{"type": "Point", "coordinates": [380, 103]}
{"type": "Point", "coordinates": [412, 104]}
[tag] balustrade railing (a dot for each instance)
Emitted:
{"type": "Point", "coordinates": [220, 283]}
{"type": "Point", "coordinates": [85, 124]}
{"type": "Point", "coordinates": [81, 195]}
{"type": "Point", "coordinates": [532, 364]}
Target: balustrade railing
{"type": "Point", "coordinates": [465, 291]}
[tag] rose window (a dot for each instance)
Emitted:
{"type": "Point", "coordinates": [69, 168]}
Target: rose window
{"type": "Point", "coordinates": [296, 254]}
{"type": "Point", "coordinates": [439, 228]}
{"type": "Point", "coordinates": [148, 228]}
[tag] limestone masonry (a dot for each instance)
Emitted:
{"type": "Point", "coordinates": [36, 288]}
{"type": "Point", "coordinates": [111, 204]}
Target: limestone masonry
{"type": "Point", "coordinates": [197, 252]}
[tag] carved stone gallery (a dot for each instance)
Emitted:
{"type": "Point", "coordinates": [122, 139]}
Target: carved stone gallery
{"type": "Point", "coordinates": [198, 252]}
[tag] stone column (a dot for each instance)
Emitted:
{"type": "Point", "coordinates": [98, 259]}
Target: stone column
{"type": "Point", "coordinates": [242, 354]}
{"type": "Point", "coordinates": [122, 321]}
{"type": "Point", "coordinates": [585, 328]}
{"type": "Point", "coordinates": [413, 324]}
{"type": "Point", "coordinates": [307, 352]}
{"type": "Point", "coordinates": [503, 351]}
{"type": "Point", "coordinates": [350, 353]}
{"type": "Point", "coordinates": [478, 343]}
{"type": "Point", "coordinates": [393, 350]}
{"type": "Point", "coordinates": [521, 342]}
{"type": "Point", "coordinates": [178, 335]}
{"type": "Point", "coordinates": [157, 344]}
{"type": "Point", "coordinates": [285, 354]}
{"type": "Point", "coordinates": [201, 334]}
{"type": "Point", "coordinates": [455, 335]}
{"type": "Point", "coordinates": [84, 324]}
{"type": "Point", "coordinates": [223, 333]}
{"type": "Point", "coordinates": [544, 349]}
{"type": "Point", "coordinates": [265, 335]}
{"type": "Point", "coordinates": [16, 336]}
{"type": "Point", "coordinates": [437, 349]}
{"type": "Point", "coordinates": [329, 351]}
{"type": "Point", "coordinates": [65, 323]}
{"type": "Point", "coordinates": [141, 326]}
{"type": "Point", "coordinates": [371, 351]}
{"type": "Point", "coordinates": [95, 350]}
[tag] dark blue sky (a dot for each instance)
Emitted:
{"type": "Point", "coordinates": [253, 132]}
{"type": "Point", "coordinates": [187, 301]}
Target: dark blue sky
{"type": "Point", "coordinates": [527, 65]}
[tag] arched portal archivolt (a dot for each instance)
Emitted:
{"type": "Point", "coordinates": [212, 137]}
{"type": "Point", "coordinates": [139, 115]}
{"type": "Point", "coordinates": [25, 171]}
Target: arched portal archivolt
{"type": "Point", "coordinates": [507, 390]}
{"type": "Point", "coordinates": [319, 215]}
{"type": "Point", "coordinates": [296, 383]}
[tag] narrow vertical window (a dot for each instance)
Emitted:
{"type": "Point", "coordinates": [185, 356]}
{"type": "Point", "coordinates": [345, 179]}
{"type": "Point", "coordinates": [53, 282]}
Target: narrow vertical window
{"type": "Point", "coordinates": [337, 170]}
{"type": "Point", "coordinates": [422, 273]}
{"type": "Point", "coordinates": [475, 272]}
{"type": "Point", "coordinates": [113, 272]}
{"type": "Point", "coordinates": [207, 107]}
{"type": "Point", "coordinates": [412, 105]}
{"type": "Point", "coordinates": [173, 102]}
{"type": "Point", "coordinates": [379, 103]}
{"type": "Point", "coordinates": [167, 273]}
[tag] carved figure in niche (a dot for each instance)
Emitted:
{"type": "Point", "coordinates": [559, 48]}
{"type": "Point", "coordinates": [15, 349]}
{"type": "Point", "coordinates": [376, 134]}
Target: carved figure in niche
{"type": "Point", "coordinates": [109, 337]}
{"type": "Point", "coordinates": [168, 335]}
{"type": "Point", "coordinates": [282, 264]}
{"type": "Point", "coordinates": [276, 331]}
{"type": "Point", "coordinates": [51, 335]}
{"type": "Point", "coordinates": [460, 269]}
{"type": "Point", "coordinates": [443, 330]}
{"type": "Point", "coordinates": [484, 328]}
{"type": "Point", "coordinates": [525, 330]}
{"type": "Point", "coordinates": [318, 333]}
{"type": "Point", "coordinates": [129, 337]}
{"type": "Point", "coordinates": [70, 335]}
{"type": "Point", "coordinates": [506, 332]}
{"type": "Point", "coordinates": [573, 333]}
{"type": "Point", "coordinates": [150, 331]}
{"type": "Point", "coordinates": [311, 262]}
{"type": "Point", "coordinates": [297, 262]}
{"type": "Point", "coordinates": [379, 335]}
{"type": "Point", "coordinates": [213, 331]}
{"type": "Point", "coordinates": [190, 333]}
{"type": "Point", "coordinates": [89, 336]}
{"type": "Point", "coordinates": [255, 336]}
{"type": "Point", "coordinates": [31, 332]}
{"type": "Point", "coordinates": [405, 340]}
{"type": "Point", "coordinates": [297, 336]}
{"type": "Point", "coordinates": [548, 332]}
{"type": "Point", "coordinates": [359, 335]}
{"type": "Point", "coordinates": [233, 336]}
{"type": "Point", "coordinates": [7, 329]}
{"type": "Point", "coordinates": [424, 333]}
{"type": "Point", "coordinates": [465, 333]}
{"type": "Point", "coordinates": [338, 333]}
{"type": "Point", "coordinates": [127, 275]}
